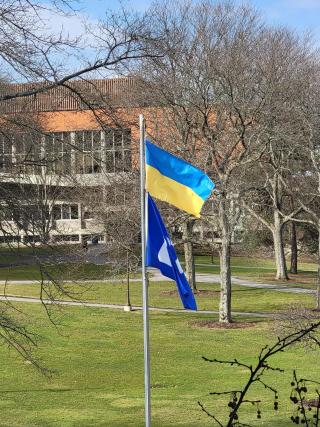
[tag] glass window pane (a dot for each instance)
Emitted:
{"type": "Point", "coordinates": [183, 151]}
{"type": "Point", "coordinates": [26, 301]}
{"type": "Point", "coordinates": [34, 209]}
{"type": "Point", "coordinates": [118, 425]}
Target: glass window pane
{"type": "Point", "coordinates": [87, 163]}
{"type": "Point", "coordinates": [108, 137]}
{"type": "Point", "coordinates": [57, 212]}
{"type": "Point", "coordinates": [67, 141]}
{"type": "Point", "coordinates": [127, 167]}
{"type": "Point", "coordinates": [96, 140]}
{"type": "Point", "coordinates": [97, 162]}
{"type": "Point", "coordinates": [65, 212]}
{"type": "Point", "coordinates": [78, 159]}
{"type": "Point", "coordinates": [67, 163]}
{"type": "Point", "coordinates": [118, 138]}
{"type": "Point", "coordinates": [79, 141]}
{"type": "Point", "coordinates": [74, 212]}
{"type": "Point", "coordinates": [87, 214]}
{"type": "Point", "coordinates": [109, 161]}
{"type": "Point", "coordinates": [6, 213]}
{"type": "Point", "coordinates": [87, 141]}
{"type": "Point", "coordinates": [126, 138]}
{"type": "Point", "coordinates": [118, 155]}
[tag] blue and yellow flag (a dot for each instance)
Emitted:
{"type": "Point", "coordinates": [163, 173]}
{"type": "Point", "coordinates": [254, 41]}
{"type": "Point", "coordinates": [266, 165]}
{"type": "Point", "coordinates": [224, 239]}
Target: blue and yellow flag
{"type": "Point", "coordinates": [175, 181]}
{"type": "Point", "coordinates": [161, 254]}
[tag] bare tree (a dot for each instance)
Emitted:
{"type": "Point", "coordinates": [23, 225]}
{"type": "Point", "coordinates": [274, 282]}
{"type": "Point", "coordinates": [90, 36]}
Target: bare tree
{"type": "Point", "coordinates": [39, 61]}
{"type": "Point", "coordinates": [304, 185]}
{"type": "Point", "coordinates": [268, 200]}
{"type": "Point", "coordinates": [30, 52]}
{"type": "Point", "coordinates": [293, 249]}
{"type": "Point", "coordinates": [256, 372]}
{"type": "Point", "coordinates": [187, 236]}
{"type": "Point", "coordinates": [216, 92]}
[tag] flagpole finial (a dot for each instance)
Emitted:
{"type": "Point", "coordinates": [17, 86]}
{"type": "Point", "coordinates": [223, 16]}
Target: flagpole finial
{"type": "Point", "coordinates": [142, 124]}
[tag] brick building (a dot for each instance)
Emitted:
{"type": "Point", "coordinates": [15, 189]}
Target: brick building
{"type": "Point", "coordinates": [83, 137]}
{"type": "Point", "coordinates": [69, 136]}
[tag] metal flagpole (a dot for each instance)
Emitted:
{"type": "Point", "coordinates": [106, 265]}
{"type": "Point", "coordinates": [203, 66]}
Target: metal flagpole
{"type": "Point", "coordinates": [144, 277]}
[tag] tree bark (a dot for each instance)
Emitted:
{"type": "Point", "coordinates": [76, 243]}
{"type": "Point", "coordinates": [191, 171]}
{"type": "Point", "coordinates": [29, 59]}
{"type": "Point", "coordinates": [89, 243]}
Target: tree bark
{"type": "Point", "coordinates": [187, 228]}
{"type": "Point", "coordinates": [318, 276]}
{"type": "Point", "coordinates": [225, 267]}
{"type": "Point", "coordinates": [279, 249]}
{"type": "Point", "coordinates": [294, 249]}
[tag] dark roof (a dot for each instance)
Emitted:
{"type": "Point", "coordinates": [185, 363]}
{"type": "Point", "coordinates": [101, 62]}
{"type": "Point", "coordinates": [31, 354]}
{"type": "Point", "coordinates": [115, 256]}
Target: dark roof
{"type": "Point", "coordinates": [77, 96]}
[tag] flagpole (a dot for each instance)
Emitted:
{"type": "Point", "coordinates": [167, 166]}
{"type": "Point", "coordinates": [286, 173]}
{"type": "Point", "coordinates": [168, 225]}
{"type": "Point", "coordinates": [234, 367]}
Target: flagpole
{"type": "Point", "coordinates": [147, 399]}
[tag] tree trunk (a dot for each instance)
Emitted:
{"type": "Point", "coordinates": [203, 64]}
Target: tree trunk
{"type": "Point", "coordinates": [279, 249]}
{"type": "Point", "coordinates": [225, 267]}
{"type": "Point", "coordinates": [187, 228]}
{"type": "Point", "coordinates": [294, 249]}
{"type": "Point", "coordinates": [318, 276]}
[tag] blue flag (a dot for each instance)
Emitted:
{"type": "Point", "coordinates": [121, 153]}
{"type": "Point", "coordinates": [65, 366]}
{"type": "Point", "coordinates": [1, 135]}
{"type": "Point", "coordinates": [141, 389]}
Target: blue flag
{"type": "Point", "coordinates": [161, 255]}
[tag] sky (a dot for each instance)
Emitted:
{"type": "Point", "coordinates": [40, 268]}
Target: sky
{"type": "Point", "coordinates": [300, 15]}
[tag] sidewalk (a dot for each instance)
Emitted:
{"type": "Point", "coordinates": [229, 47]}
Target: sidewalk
{"type": "Point", "coordinates": [156, 276]}
{"type": "Point", "coordinates": [134, 308]}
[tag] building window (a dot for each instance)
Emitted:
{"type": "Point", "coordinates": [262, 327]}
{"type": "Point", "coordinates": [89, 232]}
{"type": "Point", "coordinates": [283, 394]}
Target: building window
{"type": "Point", "coordinates": [117, 150]}
{"type": "Point", "coordinates": [66, 238]}
{"type": "Point", "coordinates": [6, 153]}
{"type": "Point", "coordinates": [28, 154]}
{"type": "Point", "coordinates": [31, 239]}
{"type": "Point", "coordinates": [196, 235]}
{"type": "Point", "coordinates": [93, 238]}
{"type": "Point", "coordinates": [88, 152]}
{"type": "Point", "coordinates": [108, 150]}
{"type": "Point", "coordinates": [64, 153]}
{"type": "Point", "coordinates": [65, 211]}
{"type": "Point", "coordinates": [58, 152]}
{"type": "Point", "coordinates": [6, 213]}
{"type": "Point", "coordinates": [21, 153]}
{"type": "Point", "coordinates": [87, 214]}
{"type": "Point", "coordinates": [208, 235]}
{"type": "Point", "coordinates": [10, 239]}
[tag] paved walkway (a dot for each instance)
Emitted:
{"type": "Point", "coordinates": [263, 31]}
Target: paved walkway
{"type": "Point", "coordinates": [215, 278]}
{"type": "Point", "coordinates": [134, 308]}
{"type": "Point", "coordinates": [244, 266]}
{"type": "Point", "coordinates": [156, 276]}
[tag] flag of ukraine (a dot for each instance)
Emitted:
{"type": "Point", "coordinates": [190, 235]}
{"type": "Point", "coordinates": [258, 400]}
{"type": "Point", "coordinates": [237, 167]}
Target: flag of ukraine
{"type": "Point", "coordinates": [175, 181]}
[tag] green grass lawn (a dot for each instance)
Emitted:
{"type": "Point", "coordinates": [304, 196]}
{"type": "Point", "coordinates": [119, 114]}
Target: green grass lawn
{"type": "Point", "coordinates": [18, 254]}
{"type": "Point", "coordinates": [20, 264]}
{"type": "Point", "coordinates": [66, 271]}
{"type": "Point", "coordinates": [254, 269]}
{"type": "Point", "coordinates": [260, 270]}
{"type": "Point", "coordinates": [163, 294]}
{"type": "Point", "coordinates": [244, 265]}
{"type": "Point", "coordinates": [97, 359]}
{"type": "Point", "coordinates": [97, 356]}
